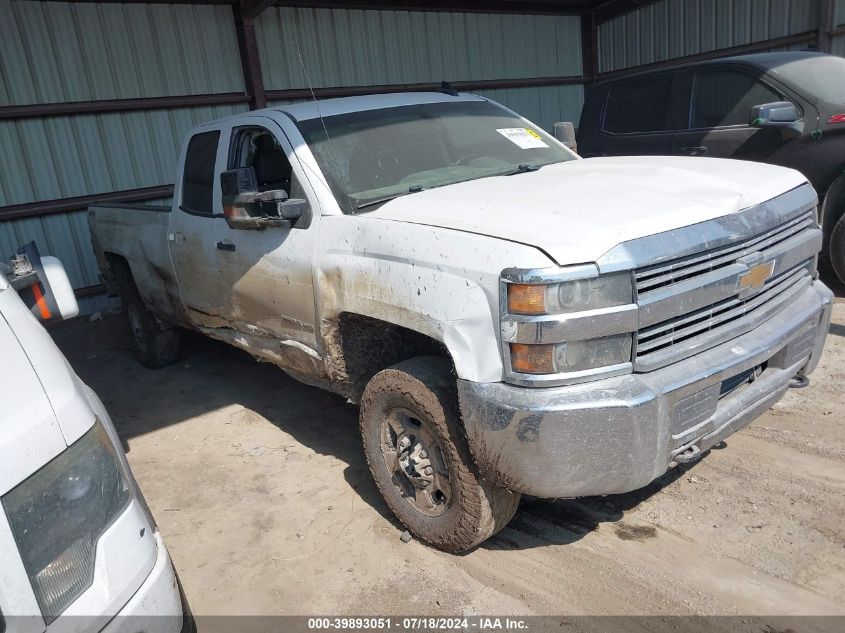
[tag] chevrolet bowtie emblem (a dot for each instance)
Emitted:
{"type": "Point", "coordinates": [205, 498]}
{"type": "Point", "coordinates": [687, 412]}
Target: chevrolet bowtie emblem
{"type": "Point", "coordinates": [757, 276]}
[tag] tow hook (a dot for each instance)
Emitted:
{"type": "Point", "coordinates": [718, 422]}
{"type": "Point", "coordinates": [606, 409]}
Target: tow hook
{"type": "Point", "coordinates": [799, 381]}
{"type": "Point", "coordinates": [688, 455]}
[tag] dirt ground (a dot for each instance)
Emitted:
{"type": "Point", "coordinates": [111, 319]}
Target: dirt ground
{"type": "Point", "coordinates": [260, 488]}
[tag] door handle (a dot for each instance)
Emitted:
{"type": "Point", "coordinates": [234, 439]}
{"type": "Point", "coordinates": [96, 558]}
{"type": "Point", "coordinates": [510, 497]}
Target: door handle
{"type": "Point", "coordinates": [225, 246]}
{"type": "Point", "coordinates": [695, 150]}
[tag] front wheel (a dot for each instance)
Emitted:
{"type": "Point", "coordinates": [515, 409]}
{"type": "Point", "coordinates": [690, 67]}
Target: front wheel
{"type": "Point", "coordinates": [418, 454]}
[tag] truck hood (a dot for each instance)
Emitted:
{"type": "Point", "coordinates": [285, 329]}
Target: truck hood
{"type": "Point", "coordinates": [578, 210]}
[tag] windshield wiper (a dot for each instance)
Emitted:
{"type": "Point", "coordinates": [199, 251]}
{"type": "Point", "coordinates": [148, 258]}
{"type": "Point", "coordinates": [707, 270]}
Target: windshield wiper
{"type": "Point", "coordinates": [371, 203]}
{"type": "Point", "coordinates": [523, 168]}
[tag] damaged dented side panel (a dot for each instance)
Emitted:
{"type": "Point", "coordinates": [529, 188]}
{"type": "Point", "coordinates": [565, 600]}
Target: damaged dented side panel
{"type": "Point", "coordinates": [442, 284]}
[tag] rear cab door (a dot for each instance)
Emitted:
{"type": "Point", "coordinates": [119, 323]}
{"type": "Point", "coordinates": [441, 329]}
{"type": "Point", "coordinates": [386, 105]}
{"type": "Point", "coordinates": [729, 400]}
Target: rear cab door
{"type": "Point", "coordinates": [633, 116]}
{"type": "Point", "coordinates": [718, 99]}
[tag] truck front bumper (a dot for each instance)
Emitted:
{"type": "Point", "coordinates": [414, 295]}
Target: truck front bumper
{"type": "Point", "coordinates": [157, 605]}
{"type": "Point", "coordinates": [618, 434]}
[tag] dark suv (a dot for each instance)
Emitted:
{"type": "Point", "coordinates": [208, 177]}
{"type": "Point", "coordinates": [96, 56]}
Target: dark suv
{"type": "Point", "coordinates": [781, 108]}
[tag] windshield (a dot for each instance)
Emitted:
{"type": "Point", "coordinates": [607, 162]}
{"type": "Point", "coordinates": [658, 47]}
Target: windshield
{"type": "Point", "coordinates": [372, 156]}
{"type": "Point", "coordinates": [819, 78]}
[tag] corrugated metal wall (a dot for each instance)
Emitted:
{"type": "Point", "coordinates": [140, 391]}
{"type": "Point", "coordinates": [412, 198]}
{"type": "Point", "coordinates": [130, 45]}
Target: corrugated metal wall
{"type": "Point", "coordinates": [54, 52]}
{"type": "Point", "coordinates": [675, 28]}
{"type": "Point", "coordinates": [58, 52]}
{"type": "Point", "coordinates": [62, 52]}
{"type": "Point", "coordinates": [341, 47]}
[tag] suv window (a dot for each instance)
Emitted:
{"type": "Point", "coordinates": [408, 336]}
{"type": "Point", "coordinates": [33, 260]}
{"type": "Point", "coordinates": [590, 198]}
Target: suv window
{"type": "Point", "coordinates": [638, 106]}
{"type": "Point", "coordinates": [198, 178]}
{"type": "Point", "coordinates": [725, 97]}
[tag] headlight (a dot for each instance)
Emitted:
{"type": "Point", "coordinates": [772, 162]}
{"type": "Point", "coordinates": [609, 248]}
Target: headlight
{"type": "Point", "coordinates": [566, 325]}
{"type": "Point", "coordinates": [58, 514]}
{"type": "Point", "coordinates": [593, 293]}
{"type": "Point", "coordinates": [572, 356]}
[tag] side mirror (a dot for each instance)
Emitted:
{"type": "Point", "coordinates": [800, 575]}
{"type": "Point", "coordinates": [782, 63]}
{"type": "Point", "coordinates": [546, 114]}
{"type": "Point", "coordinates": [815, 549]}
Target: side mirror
{"type": "Point", "coordinates": [777, 114]}
{"type": "Point", "coordinates": [42, 284]}
{"type": "Point", "coordinates": [246, 208]}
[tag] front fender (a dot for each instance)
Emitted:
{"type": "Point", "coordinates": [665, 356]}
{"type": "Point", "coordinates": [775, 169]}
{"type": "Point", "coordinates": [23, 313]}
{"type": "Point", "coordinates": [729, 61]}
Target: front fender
{"type": "Point", "coordinates": [441, 283]}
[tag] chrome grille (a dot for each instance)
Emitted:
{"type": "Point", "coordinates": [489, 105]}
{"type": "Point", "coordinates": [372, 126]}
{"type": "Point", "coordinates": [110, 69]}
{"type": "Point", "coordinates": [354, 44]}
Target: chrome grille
{"type": "Point", "coordinates": [672, 272]}
{"type": "Point", "coordinates": [699, 295]}
{"type": "Point", "coordinates": [693, 324]}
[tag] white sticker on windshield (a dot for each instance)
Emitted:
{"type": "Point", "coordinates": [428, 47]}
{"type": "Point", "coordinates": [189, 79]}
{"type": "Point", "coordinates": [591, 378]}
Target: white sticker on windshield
{"type": "Point", "coordinates": [523, 137]}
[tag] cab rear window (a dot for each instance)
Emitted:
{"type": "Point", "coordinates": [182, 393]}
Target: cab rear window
{"type": "Point", "coordinates": [198, 178]}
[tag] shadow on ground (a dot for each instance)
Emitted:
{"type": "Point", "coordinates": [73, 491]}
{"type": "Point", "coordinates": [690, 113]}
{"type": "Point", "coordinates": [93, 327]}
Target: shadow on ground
{"type": "Point", "coordinates": [213, 375]}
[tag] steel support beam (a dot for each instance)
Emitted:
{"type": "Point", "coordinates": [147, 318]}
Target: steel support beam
{"type": "Point", "coordinates": [250, 58]}
{"type": "Point", "coordinates": [606, 11]}
{"type": "Point", "coordinates": [826, 13]}
{"type": "Point", "coordinates": [251, 9]}
{"type": "Point", "coordinates": [65, 205]}
{"type": "Point", "coordinates": [118, 105]}
{"type": "Point", "coordinates": [589, 46]}
{"type": "Point", "coordinates": [464, 86]}
{"type": "Point", "coordinates": [549, 7]}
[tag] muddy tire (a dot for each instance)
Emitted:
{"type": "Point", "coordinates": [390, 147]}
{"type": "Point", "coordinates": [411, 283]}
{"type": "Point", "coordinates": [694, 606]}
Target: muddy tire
{"type": "Point", "coordinates": [837, 249]}
{"type": "Point", "coordinates": [154, 344]}
{"type": "Point", "coordinates": [418, 454]}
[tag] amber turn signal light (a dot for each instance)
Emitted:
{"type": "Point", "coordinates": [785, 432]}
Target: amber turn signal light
{"type": "Point", "coordinates": [526, 299]}
{"type": "Point", "coordinates": [532, 359]}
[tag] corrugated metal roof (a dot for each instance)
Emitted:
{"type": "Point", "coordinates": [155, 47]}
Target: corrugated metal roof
{"type": "Point", "coordinates": [676, 28]}
{"type": "Point", "coordinates": [342, 47]}
{"type": "Point", "coordinates": [62, 51]}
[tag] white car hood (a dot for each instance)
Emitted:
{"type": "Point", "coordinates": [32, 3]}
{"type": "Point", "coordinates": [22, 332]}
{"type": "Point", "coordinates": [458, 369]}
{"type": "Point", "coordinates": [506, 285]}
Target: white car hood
{"type": "Point", "coordinates": [577, 211]}
{"type": "Point", "coordinates": [29, 432]}
{"type": "Point", "coordinates": [43, 405]}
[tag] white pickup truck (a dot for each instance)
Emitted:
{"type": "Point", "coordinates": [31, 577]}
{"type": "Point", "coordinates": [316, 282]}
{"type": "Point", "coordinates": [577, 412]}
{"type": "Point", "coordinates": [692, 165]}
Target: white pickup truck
{"type": "Point", "coordinates": [512, 319]}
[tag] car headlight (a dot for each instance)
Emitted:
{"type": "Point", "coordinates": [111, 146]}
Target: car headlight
{"type": "Point", "coordinates": [567, 325]}
{"type": "Point", "coordinates": [58, 514]}
{"type": "Point", "coordinates": [574, 295]}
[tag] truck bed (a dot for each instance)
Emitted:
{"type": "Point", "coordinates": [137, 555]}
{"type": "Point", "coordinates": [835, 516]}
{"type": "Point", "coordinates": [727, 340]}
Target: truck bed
{"type": "Point", "coordinates": [137, 233]}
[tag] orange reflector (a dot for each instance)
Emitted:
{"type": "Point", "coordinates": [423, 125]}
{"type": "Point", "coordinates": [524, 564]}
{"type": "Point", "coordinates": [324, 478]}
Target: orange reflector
{"type": "Point", "coordinates": [532, 359]}
{"type": "Point", "coordinates": [526, 299]}
{"type": "Point", "coordinates": [41, 302]}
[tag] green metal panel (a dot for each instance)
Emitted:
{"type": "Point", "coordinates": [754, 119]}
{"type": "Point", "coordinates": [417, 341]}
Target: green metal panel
{"type": "Point", "coordinates": [341, 47]}
{"type": "Point", "coordinates": [59, 51]}
{"type": "Point", "coordinates": [63, 157]}
{"type": "Point", "coordinates": [676, 28]}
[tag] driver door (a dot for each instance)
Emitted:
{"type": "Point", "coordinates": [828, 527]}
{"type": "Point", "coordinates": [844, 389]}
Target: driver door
{"type": "Point", "coordinates": [251, 287]}
{"type": "Point", "coordinates": [268, 272]}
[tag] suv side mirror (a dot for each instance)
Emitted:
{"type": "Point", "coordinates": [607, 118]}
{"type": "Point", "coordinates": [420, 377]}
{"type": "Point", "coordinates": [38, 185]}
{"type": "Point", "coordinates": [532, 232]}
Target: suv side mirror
{"type": "Point", "coordinates": [246, 208]}
{"type": "Point", "coordinates": [777, 114]}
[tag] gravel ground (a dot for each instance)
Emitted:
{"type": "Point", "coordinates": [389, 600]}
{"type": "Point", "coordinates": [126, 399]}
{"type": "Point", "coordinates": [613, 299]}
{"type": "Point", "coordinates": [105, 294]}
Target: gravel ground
{"type": "Point", "coordinates": [260, 488]}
